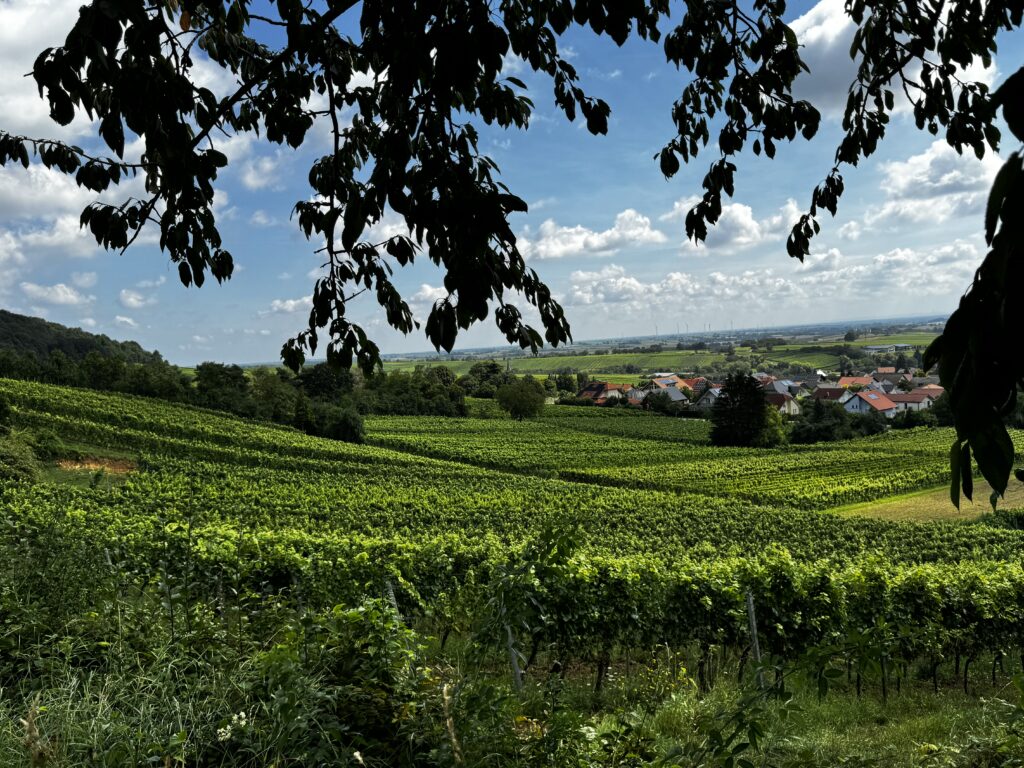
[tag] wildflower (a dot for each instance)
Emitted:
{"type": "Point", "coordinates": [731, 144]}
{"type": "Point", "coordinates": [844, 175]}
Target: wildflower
{"type": "Point", "coordinates": [223, 734]}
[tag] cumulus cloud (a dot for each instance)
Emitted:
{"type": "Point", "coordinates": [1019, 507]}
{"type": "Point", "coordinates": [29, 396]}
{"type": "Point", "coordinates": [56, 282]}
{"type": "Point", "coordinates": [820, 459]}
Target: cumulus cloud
{"type": "Point", "coordinates": [552, 241]}
{"type": "Point", "coordinates": [290, 306]}
{"type": "Point", "coordinates": [933, 186]}
{"type": "Point", "coordinates": [939, 170]}
{"type": "Point", "coordinates": [152, 283]}
{"type": "Point", "coordinates": [26, 28]}
{"type": "Point", "coordinates": [87, 322]}
{"type": "Point", "coordinates": [261, 218]}
{"type": "Point", "coordinates": [825, 278]}
{"type": "Point", "coordinates": [851, 230]}
{"type": "Point", "coordinates": [826, 33]}
{"type": "Point", "coordinates": [260, 173]}
{"type": "Point", "coordinates": [737, 228]}
{"type": "Point", "coordinates": [10, 249]}
{"type": "Point", "coordinates": [60, 294]}
{"type": "Point", "coordinates": [430, 293]}
{"type": "Point", "coordinates": [127, 322]}
{"type": "Point", "coordinates": [389, 225]}
{"type": "Point", "coordinates": [134, 300]}
{"type": "Point", "coordinates": [83, 279]}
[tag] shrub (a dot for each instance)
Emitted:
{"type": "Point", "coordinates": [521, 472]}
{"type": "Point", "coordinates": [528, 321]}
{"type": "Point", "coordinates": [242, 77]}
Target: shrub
{"type": "Point", "coordinates": [17, 461]}
{"type": "Point", "coordinates": [46, 444]}
{"type": "Point", "coordinates": [340, 423]}
{"type": "Point", "coordinates": [6, 415]}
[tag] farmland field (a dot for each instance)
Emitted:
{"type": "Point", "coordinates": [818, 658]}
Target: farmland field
{"type": "Point", "coordinates": [673, 360]}
{"type": "Point", "coordinates": [588, 539]}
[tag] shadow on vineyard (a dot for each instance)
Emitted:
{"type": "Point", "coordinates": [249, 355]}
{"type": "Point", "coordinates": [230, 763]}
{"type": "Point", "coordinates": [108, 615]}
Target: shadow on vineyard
{"type": "Point", "coordinates": [242, 594]}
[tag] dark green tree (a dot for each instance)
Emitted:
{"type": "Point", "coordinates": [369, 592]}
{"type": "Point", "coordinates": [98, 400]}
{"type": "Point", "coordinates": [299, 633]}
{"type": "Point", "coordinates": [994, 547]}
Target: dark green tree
{"type": "Point", "coordinates": [100, 371]}
{"type": "Point", "coordinates": [327, 383]}
{"type": "Point", "coordinates": [773, 432]}
{"type": "Point", "coordinates": [739, 415]}
{"type": "Point", "coordinates": [224, 387]}
{"type": "Point", "coordinates": [274, 395]}
{"type": "Point", "coordinates": [820, 422]}
{"type": "Point", "coordinates": [942, 410]}
{"type": "Point", "coordinates": [522, 399]}
{"type": "Point", "coordinates": [566, 380]}
{"type": "Point", "coordinates": [339, 423]}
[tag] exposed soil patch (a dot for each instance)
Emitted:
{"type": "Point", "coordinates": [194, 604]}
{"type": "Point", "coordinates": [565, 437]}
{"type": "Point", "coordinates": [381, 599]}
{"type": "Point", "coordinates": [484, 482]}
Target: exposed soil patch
{"type": "Point", "coordinates": [113, 466]}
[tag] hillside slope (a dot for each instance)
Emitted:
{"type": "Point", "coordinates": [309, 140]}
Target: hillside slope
{"type": "Point", "coordinates": [23, 334]}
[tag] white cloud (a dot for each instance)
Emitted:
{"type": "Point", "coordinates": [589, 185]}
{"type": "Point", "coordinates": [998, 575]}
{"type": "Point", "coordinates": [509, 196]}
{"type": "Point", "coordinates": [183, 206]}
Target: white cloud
{"type": "Point", "coordinates": [939, 170]}
{"type": "Point", "coordinates": [389, 225]}
{"type": "Point", "coordinates": [826, 279]}
{"type": "Point", "coordinates": [83, 279]}
{"type": "Point", "coordinates": [260, 173]}
{"type": "Point", "coordinates": [932, 187]}
{"type": "Point", "coordinates": [10, 249]}
{"type": "Point", "coordinates": [152, 283]}
{"type": "Point", "coordinates": [260, 218]}
{"type": "Point", "coordinates": [551, 241]}
{"type": "Point", "coordinates": [134, 300]}
{"type": "Point", "coordinates": [285, 276]}
{"type": "Point", "coordinates": [289, 306]}
{"type": "Point", "coordinates": [826, 33]}
{"type": "Point", "coordinates": [851, 230]}
{"type": "Point", "coordinates": [65, 235]}
{"type": "Point", "coordinates": [87, 322]}
{"type": "Point", "coordinates": [60, 294]}
{"type": "Point", "coordinates": [430, 294]}
{"type": "Point", "coordinates": [125, 321]}
{"type": "Point", "coordinates": [736, 229]}
{"type": "Point", "coordinates": [26, 28]}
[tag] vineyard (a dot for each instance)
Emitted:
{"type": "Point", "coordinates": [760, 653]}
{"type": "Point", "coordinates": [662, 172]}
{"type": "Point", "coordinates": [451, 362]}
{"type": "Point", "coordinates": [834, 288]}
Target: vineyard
{"type": "Point", "coordinates": [578, 539]}
{"type": "Point", "coordinates": [672, 455]}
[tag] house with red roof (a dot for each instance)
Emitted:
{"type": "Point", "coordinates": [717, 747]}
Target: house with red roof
{"type": "Point", "coordinates": [603, 391]}
{"type": "Point", "coordinates": [871, 401]}
{"type": "Point", "coordinates": [855, 381]}
{"type": "Point", "coordinates": [696, 385]}
{"type": "Point", "coordinates": [832, 394]}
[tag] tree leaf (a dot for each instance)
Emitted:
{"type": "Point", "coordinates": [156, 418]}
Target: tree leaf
{"type": "Point", "coordinates": [1004, 180]}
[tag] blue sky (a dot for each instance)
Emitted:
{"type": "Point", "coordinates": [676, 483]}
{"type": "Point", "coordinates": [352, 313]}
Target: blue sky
{"type": "Point", "coordinates": [605, 229]}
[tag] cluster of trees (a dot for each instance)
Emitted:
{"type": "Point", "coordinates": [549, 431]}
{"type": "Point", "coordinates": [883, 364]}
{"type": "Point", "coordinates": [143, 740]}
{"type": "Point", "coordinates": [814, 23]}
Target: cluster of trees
{"type": "Point", "coordinates": [97, 370]}
{"type": "Point", "coordinates": [823, 421]}
{"type": "Point", "coordinates": [325, 400]}
{"type": "Point", "coordinates": [320, 400]}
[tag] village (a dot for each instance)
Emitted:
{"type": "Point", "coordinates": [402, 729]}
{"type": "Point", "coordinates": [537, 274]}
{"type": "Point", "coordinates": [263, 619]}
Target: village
{"type": "Point", "coordinates": [886, 390]}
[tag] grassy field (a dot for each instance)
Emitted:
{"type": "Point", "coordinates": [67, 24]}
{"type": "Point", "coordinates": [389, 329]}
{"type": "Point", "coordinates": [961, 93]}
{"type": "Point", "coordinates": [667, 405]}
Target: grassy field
{"type": "Point", "coordinates": [600, 364]}
{"type": "Point", "coordinates": [933, 504]}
